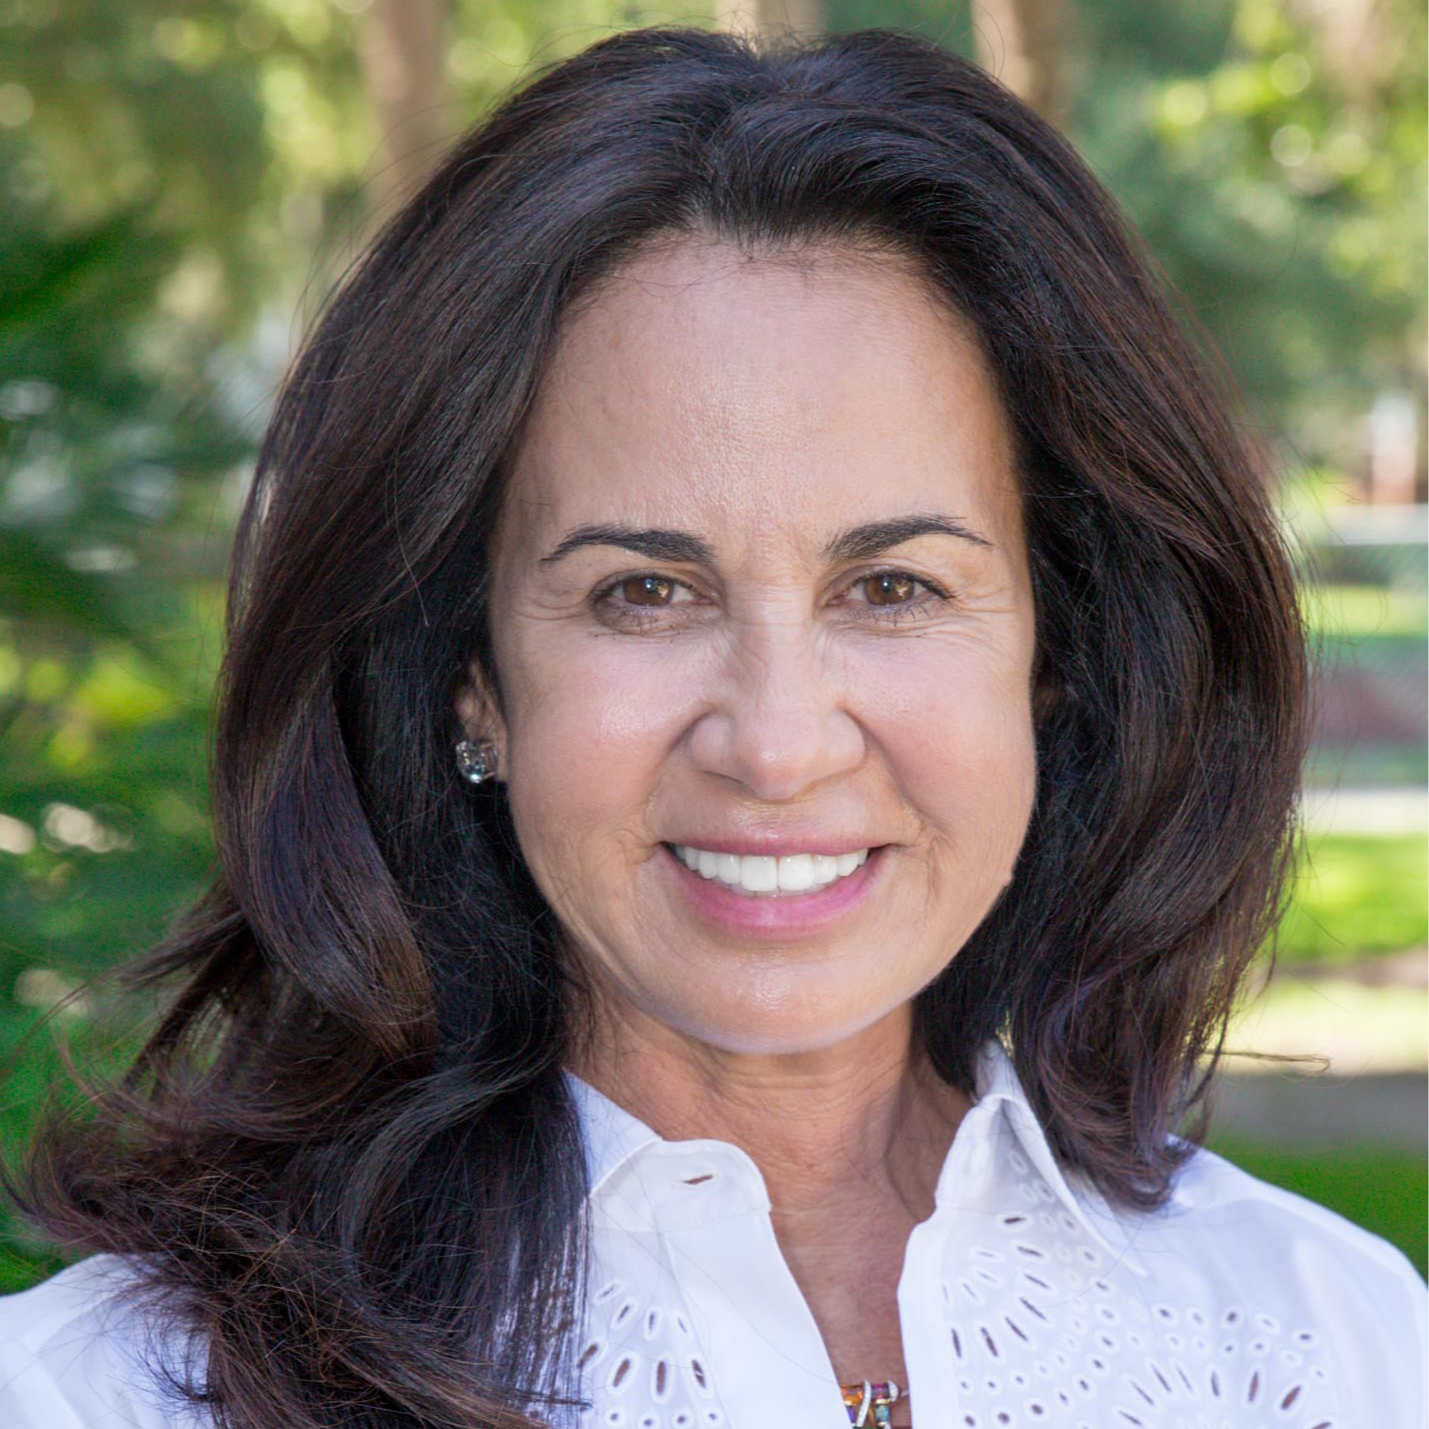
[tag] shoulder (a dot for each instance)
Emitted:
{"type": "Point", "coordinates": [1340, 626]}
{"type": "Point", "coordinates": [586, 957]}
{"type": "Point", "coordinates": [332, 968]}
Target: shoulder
{"type": "Point", "coordinates": [1212, 1193]}
{"type": "Point", "coordinates": [1308, 1280]}
{"type": "Point", "coordinates": [77, 1352]}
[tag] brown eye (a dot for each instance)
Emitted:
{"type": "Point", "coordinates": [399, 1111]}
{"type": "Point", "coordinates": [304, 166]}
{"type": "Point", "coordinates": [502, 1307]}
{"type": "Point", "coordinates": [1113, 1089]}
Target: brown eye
{"type": "Point", "coordinates": [889, 588]}
{"type": "Point", "coordinates": [646, 590]}
{"type": "Point", "coordinates": [641, 601]}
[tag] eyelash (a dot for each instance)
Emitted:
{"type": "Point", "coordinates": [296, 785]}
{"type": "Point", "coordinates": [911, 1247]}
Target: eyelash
{"type": "Point", "coordinates": [647, 615]}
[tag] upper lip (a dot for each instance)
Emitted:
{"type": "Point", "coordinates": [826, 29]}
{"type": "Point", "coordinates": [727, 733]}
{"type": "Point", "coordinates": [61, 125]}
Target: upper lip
{"type": "Point", "coordinates": [778, 846]}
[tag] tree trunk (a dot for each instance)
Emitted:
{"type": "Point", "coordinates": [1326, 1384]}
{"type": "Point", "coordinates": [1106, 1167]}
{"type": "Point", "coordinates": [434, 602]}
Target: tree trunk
{"type": "Point", "coordinates": [799, 17]}
{"type": "Point", "coordinates": [1021, 42]}
{"type": "Point", "coordinates": [403, 43]}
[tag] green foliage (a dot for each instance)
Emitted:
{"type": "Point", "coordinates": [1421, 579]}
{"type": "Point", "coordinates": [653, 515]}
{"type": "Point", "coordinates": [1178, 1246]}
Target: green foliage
{"type": "Point", "coordinates": [105, 651]}
{"type": "Point", "coordinates": [32, 1073]}
{"type": "Point", "coordinates": [1273, 158]}
{"type": "Point", "coordinates": [1275, 164]}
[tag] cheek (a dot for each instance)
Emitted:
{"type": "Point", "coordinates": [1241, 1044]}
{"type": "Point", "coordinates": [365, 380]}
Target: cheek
{"type": "Point", "coordinates": [589, 729]}
{"type": "Point", "coordinates": [968, 738]}
{"type": "Point", "coordinates": [957, 733]}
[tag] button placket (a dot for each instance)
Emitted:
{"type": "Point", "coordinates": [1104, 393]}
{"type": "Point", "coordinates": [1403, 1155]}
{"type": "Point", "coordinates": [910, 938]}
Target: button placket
{"type": "Point", "coordinates": [933, 1389]}
{"type": "Point", "coordinates": [749, 1315]}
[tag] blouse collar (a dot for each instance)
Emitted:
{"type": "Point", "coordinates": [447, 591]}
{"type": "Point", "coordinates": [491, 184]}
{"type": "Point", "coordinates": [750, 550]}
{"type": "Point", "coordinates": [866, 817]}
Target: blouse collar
{"type": "Point", "coordinates": [615, 1141]}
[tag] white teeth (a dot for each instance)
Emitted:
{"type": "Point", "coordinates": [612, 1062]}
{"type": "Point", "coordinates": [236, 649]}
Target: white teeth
{"type": "Point", "coordinates": [758, 874]}
{"type": "Point", "coordinates": [796, 872]}
{"type": "Point", "coordinates": [761, 874]}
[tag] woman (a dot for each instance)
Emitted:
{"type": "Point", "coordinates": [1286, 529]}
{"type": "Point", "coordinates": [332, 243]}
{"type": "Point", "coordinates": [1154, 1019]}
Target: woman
{"type": "Point", "coordinates": [759, 737]}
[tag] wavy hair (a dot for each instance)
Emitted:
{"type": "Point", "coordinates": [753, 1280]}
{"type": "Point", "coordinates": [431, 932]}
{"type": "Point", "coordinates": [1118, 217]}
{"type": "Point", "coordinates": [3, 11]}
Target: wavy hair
{"type": "Point", "coordinates": [346, 1156]}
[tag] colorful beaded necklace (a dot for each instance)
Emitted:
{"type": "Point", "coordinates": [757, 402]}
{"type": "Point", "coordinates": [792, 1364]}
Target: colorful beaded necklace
{"type": "Point", "coordinates": [864, 1399]}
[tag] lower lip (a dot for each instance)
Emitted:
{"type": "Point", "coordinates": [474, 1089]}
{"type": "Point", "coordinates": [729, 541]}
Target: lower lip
{"type": "Point", "coordinates": [790, 913]}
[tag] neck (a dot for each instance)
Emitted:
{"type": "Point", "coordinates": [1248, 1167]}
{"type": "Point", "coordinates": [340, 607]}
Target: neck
{"type": "Point", "coordinates": [865, 1123]}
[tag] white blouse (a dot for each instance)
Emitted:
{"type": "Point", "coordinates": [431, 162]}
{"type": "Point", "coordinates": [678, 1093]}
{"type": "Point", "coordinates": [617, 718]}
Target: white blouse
{"type": "Point", "coordinates": [1024, 1300]}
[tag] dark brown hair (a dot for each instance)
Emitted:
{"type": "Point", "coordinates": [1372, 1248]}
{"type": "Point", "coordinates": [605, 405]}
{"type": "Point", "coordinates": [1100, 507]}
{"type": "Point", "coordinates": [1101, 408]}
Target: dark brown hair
{"type": "Point", "coordinates": [347, 1156]}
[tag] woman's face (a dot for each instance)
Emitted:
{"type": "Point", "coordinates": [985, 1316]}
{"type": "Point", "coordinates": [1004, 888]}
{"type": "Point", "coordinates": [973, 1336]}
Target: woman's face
{"type": "Point", "coordinates": [761, 589]}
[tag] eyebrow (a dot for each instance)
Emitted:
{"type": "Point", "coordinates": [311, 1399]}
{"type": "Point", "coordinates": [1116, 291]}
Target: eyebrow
{"type": "Point", "coordinates": [855, 544]}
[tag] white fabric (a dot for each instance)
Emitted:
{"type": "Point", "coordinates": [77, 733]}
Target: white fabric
{"type": "Point", "coordinates": [75, 1355]}
{"type": "Point", "coordinates": [1024, 1301]}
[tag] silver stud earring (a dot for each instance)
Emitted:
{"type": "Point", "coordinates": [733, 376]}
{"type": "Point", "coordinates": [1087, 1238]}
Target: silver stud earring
{"type": "Point", "coordinates": [477, 762]}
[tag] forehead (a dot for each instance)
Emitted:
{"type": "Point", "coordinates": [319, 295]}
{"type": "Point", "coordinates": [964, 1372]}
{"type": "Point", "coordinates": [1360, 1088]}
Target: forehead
{"type": "Point", "coordinates": [762, 395]}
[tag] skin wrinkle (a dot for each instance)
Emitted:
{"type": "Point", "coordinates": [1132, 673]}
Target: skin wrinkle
{"type": "Point", "coordinates": [764, 407]}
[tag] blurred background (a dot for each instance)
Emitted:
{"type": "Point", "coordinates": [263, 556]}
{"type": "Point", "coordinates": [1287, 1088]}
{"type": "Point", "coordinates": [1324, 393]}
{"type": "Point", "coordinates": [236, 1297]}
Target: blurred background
{"type": "Point", "coordinates": [180, 184]}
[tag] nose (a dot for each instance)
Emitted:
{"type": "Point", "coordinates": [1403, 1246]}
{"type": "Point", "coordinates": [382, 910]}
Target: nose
{"type": "Point", "coordinates": [776, 720]}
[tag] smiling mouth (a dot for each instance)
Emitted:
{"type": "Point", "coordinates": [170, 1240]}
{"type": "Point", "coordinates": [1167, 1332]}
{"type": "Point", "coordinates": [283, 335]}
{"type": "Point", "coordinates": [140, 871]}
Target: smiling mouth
{"type": "Point", "coordinates": [766, 876]}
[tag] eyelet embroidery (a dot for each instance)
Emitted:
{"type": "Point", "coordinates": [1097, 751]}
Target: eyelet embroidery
{"type": "Point", "coordinates": [657, 1384]}
{"type": "Point", "coordinates": [1113, 1360]}
{"type": "Point", "coordinates": [1051, 1333]}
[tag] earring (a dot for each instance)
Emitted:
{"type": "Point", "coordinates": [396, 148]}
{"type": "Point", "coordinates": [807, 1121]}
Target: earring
{"type": "Point", "coordinates": [476, 762]}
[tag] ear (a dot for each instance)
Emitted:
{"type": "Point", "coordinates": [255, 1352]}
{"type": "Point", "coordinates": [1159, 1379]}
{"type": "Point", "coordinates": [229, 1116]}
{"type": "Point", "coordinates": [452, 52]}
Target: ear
{"type": "Point", "coordinates": [479, 714]}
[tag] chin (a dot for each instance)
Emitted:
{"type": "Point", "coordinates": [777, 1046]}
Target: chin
{"type": "Point", "coordinates": [783, 1027]}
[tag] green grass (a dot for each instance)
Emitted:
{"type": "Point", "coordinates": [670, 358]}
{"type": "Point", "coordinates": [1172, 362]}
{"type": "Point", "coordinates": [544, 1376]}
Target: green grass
{"type": "Point", "coordinates": [1356, 895]}
{"type": "Point", "coordinates": [1383, 1189]}
{"type": "Point", "coordinates": [1358, 611]}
